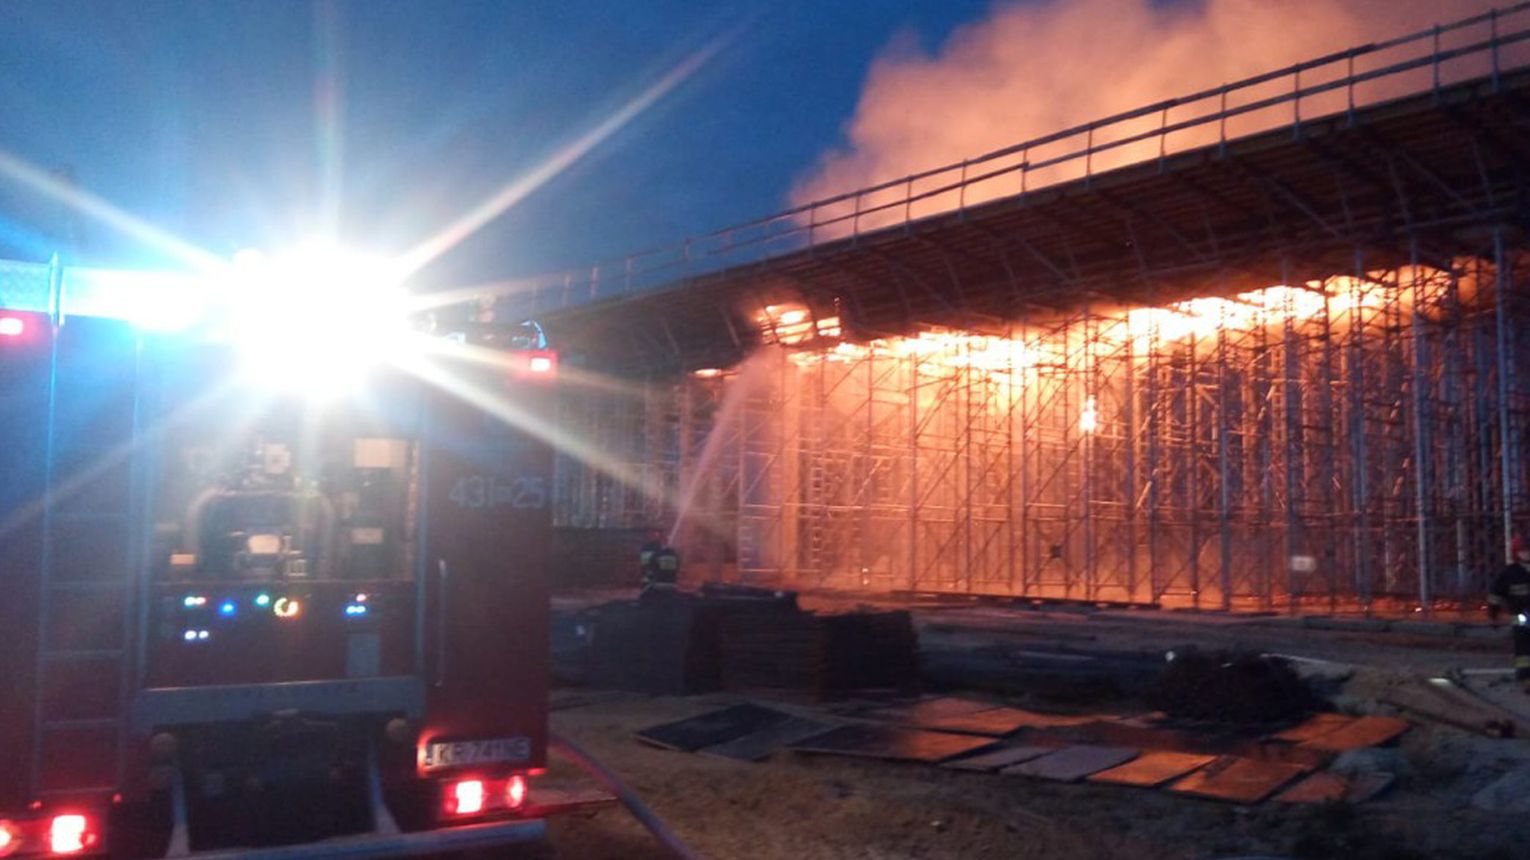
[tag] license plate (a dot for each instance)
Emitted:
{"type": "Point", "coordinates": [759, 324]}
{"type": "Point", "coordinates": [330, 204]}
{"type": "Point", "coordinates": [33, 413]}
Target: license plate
{"type": "Point", "coordinates": [443, 754]}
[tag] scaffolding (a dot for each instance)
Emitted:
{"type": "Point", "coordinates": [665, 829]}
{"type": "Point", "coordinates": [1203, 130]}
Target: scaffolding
{"type": "Point", "coordinates": [1355, 441]}
{"type": "Point", "coordinates": [1257, 348]}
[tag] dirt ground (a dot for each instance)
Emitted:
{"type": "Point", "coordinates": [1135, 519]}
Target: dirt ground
{"type": "Point", "coordinates": [800, 806]}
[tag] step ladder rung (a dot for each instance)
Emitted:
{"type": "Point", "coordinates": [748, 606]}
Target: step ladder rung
{"type": "Point", "coordinates": [95, 480]}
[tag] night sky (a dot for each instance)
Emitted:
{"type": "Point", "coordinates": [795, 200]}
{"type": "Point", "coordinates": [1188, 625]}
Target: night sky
{"type": "Point", "coordinates": [205, 117]}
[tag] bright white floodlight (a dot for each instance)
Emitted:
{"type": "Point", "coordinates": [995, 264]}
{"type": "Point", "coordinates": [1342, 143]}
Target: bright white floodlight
{"type": "Point", "coordinates": [316, 320]}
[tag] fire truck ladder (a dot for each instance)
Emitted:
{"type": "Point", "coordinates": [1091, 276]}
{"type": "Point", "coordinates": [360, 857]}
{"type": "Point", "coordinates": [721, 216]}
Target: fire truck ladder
{"type": "Point", "coordinates": [89, 560]}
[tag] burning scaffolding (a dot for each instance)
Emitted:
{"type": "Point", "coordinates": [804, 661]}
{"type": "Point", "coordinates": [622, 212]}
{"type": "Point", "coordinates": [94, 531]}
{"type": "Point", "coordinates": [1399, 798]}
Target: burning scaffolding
{"type": "Point", "coordinates": [1286, 370]}
{"type": "Point", "coordinates": [1360, 437]}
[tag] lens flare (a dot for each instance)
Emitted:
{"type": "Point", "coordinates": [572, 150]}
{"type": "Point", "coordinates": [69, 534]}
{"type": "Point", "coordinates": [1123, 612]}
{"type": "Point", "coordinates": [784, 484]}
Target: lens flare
{"type": "Point", "coordinates": [317, 320]}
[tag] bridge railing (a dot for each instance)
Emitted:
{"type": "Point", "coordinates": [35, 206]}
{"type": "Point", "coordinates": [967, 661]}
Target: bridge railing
{"type": "Point", "coordinates": [1483, 46]}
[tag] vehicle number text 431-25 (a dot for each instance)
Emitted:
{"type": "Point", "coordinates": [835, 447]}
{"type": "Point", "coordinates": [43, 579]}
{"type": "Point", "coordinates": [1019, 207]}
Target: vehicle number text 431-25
{"type": "Point", "coordinates": [490, 491]}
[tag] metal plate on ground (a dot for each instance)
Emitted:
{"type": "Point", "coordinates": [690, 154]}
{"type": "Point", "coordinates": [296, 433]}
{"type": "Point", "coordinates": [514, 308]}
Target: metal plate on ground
{"type": "Point", "coordinates": [1036, 720]}
{"type": "Point", "coordinates": [974, 717]}
{"type": "Point", "coordinates": [1364, 732]}
{"type": "Point", "coordinates": [1003, 757]}
{"type": "Point", "coordinates": [760, 744]}
{"type": "Point", "coordinates": [1328, 787]}
{"type": "Point", "coordinates": [892, 742]}
{"type": "Point", "coordinates": [1314, 726]}
{"type": "Point", "coordinates": [1238, 780]}
{"type": "Point", "coordinates": [997, 722]}
{"type": "Point", "coordinates": [931, 709]}
{"type": "Point", "coordinates": [1321, 787]}
{"type": "Point", "coordinates": [711, 728]}
{"type": "Point", "coordinates": [1153, 768]}
{"type": "Point", "coordinates": [1071, 764]}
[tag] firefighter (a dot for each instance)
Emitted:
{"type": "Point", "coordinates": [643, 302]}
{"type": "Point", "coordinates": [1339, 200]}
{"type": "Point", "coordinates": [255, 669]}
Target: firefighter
{"type": "Point", "coordinates": [653, 542]}
{"type": "Point", "coordinates": [1511, 591]}
{"type": "Point", "coordinates": [661, 567]}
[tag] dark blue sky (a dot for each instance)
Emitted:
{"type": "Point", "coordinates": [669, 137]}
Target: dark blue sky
{"type": "Point", "coordinates": [201, 116]}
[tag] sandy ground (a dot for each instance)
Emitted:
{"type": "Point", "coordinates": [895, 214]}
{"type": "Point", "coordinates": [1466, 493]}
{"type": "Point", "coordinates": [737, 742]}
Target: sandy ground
{"type": "Point", "coordinates": [798, 806]}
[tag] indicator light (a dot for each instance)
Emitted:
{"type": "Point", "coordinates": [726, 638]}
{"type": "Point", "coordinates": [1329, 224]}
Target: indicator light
{"type": "Point", "coordinates": [286, 607]}
{"type": "Point", "coordinates": [70, 834]}
{"type": "Point", "coordinates": [465, 797]}
{"type": "Point", "coordinates": [228, 609]}
{"type": "Point", "coordinates": [262, 600]}
{"type": "Point", "coordinates": [194, 601]}
{"type": "Point", "coordinates": [12, 326]}
{"type": "Point", "coordinates": [515, 791]}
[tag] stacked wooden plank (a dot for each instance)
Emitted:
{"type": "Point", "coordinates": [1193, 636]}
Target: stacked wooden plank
{"type": "Point", "coordinates": [779, 647]}
{"type": "Point", "coordinates": [765, 646]}
{"type": "Point", "coordinates": [872, 650]}
{"type": "Point", "coordinates": [687, 644]}
{"type": "Point", "coordinates": [649, 649]}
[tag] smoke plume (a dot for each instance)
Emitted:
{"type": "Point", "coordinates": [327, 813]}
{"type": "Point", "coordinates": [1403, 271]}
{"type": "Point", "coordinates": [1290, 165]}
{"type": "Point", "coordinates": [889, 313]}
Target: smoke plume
{"type": "Point", "coordinates": [1033, 68]}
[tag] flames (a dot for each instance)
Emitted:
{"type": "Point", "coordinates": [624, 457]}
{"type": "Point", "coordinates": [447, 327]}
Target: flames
{"type": "Point", "coordinates": [792, 324]}
{"type": "Point", "coordinates": [1034, 349]}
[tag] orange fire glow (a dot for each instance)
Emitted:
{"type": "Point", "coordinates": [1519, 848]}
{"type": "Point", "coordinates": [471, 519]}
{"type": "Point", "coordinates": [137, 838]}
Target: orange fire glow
{"type": "Point", "coordinates": [1037, 351]}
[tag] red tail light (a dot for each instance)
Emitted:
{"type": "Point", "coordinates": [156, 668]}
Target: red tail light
{"type": "Point", "coordinates": [539, 364]}
{"type": "Point", "coordinates": [10, 838]}
{"type": "Point", "coordinates": [475, 797]}
{"type": "Point", "coordinates": [21, 329]}
{"type": "Point", "coordinates": [70, 833]}
{"type": "Point", "coordinates": [465, 797]}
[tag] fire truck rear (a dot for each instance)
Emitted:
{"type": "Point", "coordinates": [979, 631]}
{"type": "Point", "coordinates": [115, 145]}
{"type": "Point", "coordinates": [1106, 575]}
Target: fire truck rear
{"type": "Point", "coordinates": [247, 620]}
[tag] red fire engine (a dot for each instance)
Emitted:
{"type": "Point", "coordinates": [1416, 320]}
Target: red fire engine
{"type": "Point", "coordinates": [254, 623]}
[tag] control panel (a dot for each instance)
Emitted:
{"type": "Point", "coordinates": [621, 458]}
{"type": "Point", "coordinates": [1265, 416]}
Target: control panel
{"type": "Point", "coordinates": [285, 557]}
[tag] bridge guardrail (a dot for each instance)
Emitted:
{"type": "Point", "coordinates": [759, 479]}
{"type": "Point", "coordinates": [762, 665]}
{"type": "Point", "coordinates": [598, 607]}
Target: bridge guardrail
{"type": "Point", "coordinates": [1481, 46]}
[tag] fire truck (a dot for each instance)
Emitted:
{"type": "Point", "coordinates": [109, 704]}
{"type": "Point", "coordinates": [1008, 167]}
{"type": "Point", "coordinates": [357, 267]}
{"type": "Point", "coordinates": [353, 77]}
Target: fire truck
{"type": "Point", "coordinates": [244, 619]}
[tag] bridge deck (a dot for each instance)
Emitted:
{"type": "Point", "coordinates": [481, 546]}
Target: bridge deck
{"type": "Point", "coordinates": [1429, 175]}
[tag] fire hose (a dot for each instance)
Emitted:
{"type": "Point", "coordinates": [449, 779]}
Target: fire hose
{"type": "Point", "coordinates": [608, 780]}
